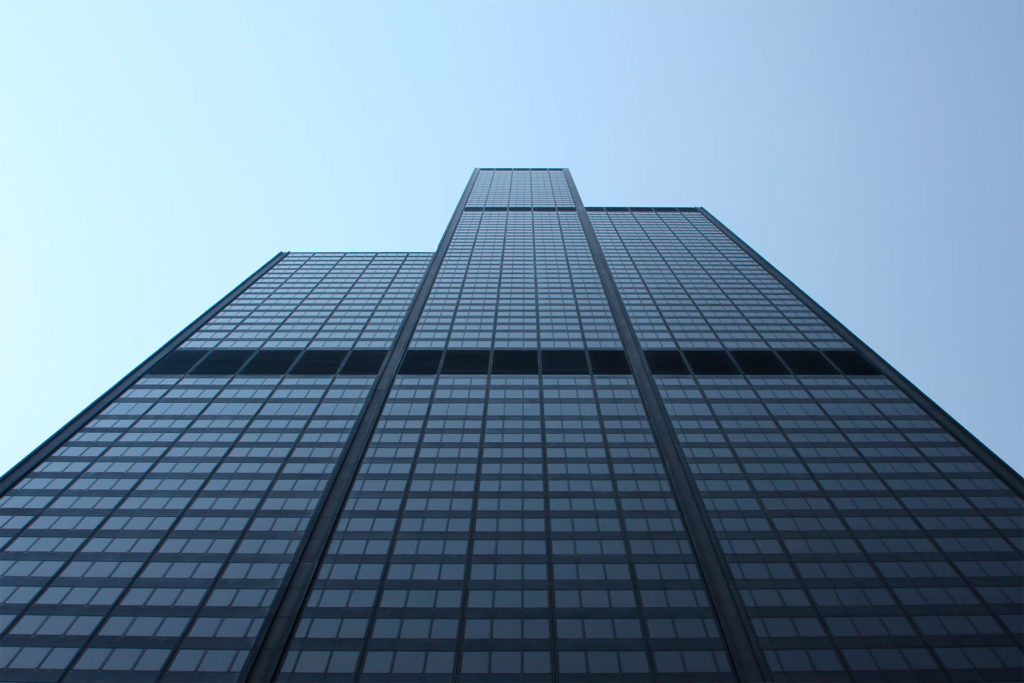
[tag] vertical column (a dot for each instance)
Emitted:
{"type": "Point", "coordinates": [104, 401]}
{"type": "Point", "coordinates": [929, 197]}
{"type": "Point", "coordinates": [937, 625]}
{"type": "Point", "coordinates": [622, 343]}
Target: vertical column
{"type": "Point", "coordinates": [724, 596]}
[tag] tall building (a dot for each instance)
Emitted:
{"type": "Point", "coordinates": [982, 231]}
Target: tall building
{"type": "Point", "coordinates": [572, 444]}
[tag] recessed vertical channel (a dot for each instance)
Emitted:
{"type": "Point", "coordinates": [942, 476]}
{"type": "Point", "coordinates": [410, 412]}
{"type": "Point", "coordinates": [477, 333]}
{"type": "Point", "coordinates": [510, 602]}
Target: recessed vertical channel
{"type": "Point", "coordinates": [724, 596]}
{"type": "Point", "coordinates": [266, 659]}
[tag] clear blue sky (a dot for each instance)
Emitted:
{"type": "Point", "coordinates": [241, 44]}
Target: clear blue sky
{"type": "Point", "coordinates": [153, 155]}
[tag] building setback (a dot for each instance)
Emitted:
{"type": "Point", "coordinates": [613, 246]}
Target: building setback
{"type": "Point", "coordinates": [572, 444]}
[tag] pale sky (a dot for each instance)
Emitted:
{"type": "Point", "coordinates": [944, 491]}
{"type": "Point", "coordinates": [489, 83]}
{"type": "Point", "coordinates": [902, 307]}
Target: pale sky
{"type": "Point", "coordinates": [152, 155]}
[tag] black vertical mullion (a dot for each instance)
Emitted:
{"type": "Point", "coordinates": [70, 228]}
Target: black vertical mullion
{"type": "Point", "coordinates": [143, 476]}
{"type": "Point", "coordinates": [545, 471]}
{"type": "Point", "coordinates": [471, 541]}
{"type": "Point", "coordinates": [371, 620]}
{"type": "Point", "coordinates": [481, 445]}
{"type": "Point", "coordinates": [641, 608]}
{"type": "Point", "coordinates": [747, 658]}
{"type": "Point", "coordinates": [242, 533]}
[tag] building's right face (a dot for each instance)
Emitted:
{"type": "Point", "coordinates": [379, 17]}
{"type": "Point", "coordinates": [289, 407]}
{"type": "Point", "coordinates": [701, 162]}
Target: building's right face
{"type": "Point", "coordinates": [548, 489]}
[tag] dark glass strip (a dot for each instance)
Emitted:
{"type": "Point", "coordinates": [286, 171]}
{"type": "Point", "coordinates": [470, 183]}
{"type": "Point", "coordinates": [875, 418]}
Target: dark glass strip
{"type": "Point", "coordinates": [319, 363]}
{"type": "Point", "coordinates": [563, 362]}
{"type": "Point", "coordinates": [466, 362]}
{"type": "Point", "coordinates": [666, 363]}
{"type": "Point", "coordinates": [807, 363]}
{"type": "Point", "coordinates": [177, 362]}
{"type": "Point", "coordinates": [852, 363]}
{"type": "Point", "coordinates": [364, 362]}
{"type": "Point", "coordinates": [222, 362]}
{"type": "Point", "coordinates": [420, 362]}
{"type": "Point", "coordinates": [275, 362]}
{"type": "Point", "coordinates": [711, 363]}
{"type": "Point", "coordinates": [759, 362]}
{"type": "Point", "coordinates": [515, 362]}
{"type": "Point", "coordinates": [609, 363]}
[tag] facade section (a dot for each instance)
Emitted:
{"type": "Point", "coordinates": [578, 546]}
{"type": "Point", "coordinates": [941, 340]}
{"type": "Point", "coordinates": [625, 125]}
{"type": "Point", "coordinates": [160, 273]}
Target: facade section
{"type": "Point", "coordinates": [512, 518]}
{"type": "Point", "coordinates": [687, 285]}
{"type": "Point", "coordinates": [154, 541]}
{"type": "Point", "coordinates": [517, 279]}
{"type": "Point", "coordinates": [520, 188]}
{"type": "Point", "coordinates": [319, 301]}
{"type": "Point", "coordinates": [519, 527]}
{"type": "Point", "coordinates": [865, 540]}
{"type": "Point", "coordinates": [572, 444]}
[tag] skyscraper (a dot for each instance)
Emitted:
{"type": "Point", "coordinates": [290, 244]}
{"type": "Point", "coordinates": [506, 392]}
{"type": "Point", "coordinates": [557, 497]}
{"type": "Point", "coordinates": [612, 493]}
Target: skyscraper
{"type": "Point", "coordinates": [571, 444]}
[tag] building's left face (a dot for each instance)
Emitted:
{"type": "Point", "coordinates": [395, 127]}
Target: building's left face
{"type": "Point", "coordinates": [153, 541]}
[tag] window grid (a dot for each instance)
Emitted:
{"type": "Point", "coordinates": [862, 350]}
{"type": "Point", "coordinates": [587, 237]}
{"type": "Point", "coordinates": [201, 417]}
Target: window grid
{"type": "Point", "coordinates": [838, 535]}
{"type": "Point", "coordinates": [517, 279]}
{"type": "Point", "coordinates": [511, 473]}
{"type": "Point", "coordinates": [686, 285]}
{"type": "Point", "coordinates": [346, 300]}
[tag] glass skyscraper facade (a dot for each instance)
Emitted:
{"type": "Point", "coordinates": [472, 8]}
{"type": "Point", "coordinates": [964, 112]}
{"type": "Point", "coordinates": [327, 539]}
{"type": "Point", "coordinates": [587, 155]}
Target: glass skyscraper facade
{"type": "Point", "coordinates": [573, 444]}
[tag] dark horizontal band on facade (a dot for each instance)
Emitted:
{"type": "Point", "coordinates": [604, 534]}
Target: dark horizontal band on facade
{"type": "Point", "coordinates": [514, 362]}
{"type": "Point", "coordinates": [223, 362]}
{"type": "Point", "coordinates": [759, 362]}
{"type": "Point", "coordinates": [368, 362]}
{"type": "Point", "coordinates": [270, 362]}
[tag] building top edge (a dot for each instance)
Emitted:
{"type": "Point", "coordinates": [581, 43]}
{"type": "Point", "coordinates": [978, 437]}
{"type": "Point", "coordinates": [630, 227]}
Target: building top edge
{"type": "Point", "coordinates": [642, 208]}
{"type": "Point", "coordinates": [517, 168]}
{"type": "Point", "coordinates": [361, 253]}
